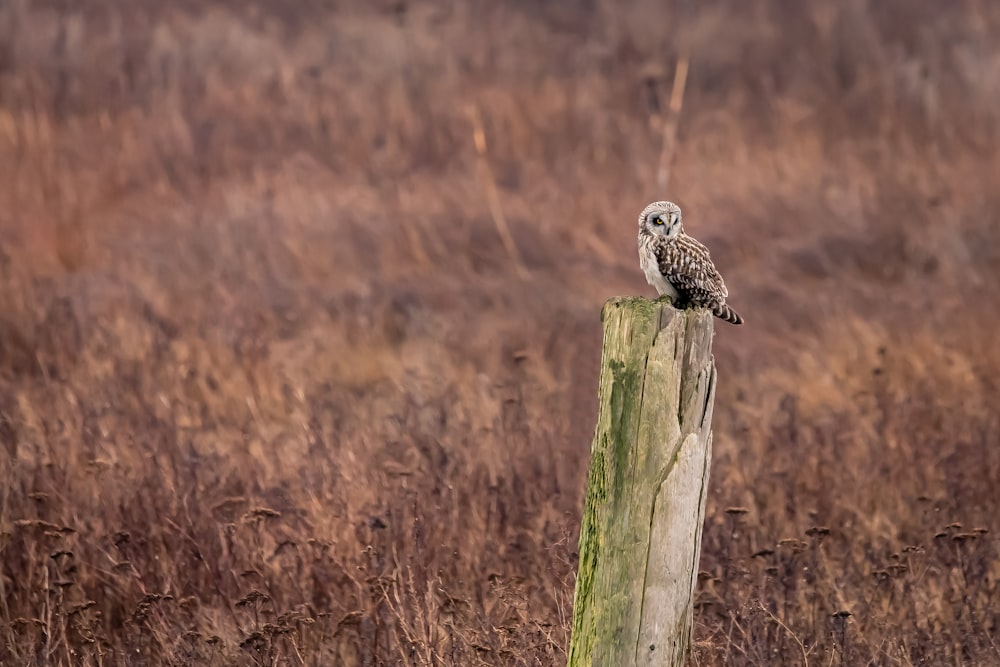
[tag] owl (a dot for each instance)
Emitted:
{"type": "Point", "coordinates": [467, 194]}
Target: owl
{"type": "Point", "coordinates": [678, 266]}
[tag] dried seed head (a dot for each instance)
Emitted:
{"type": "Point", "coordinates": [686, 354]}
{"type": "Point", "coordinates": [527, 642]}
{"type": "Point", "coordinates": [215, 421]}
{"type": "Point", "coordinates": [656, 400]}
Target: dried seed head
{"type": "Point", "coordinates": [279, 629]}
{"type": "Point", "coordinates": [38, 524]}
{"type": "Point", "coordinates": [83, 606]}
{"type": "Point", "coordinates": [255, 641]}
{"type": "Point", "coordinates": [259, 514]}
{"type": "Point", "coordinates": [352, 618]}
{"type": "Point", "coordinates": [253, 597]}
{"type": "Point", "coordinates": [797, 546]}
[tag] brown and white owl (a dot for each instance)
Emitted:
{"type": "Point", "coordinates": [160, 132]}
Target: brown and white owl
{"type": "Point", "coordinates": [677, 265]}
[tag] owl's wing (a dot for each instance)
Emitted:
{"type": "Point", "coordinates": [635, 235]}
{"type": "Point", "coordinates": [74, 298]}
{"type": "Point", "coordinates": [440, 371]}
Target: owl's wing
{"type": "Point", "coordinates": [688, 266]}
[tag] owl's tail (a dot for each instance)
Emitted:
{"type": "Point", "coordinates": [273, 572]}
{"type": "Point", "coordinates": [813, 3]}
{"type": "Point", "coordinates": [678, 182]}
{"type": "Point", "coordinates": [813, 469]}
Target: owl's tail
{"type": "Point", "coordinates": [724, 312]}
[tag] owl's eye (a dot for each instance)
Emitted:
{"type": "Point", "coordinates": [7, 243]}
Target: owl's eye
{"type": "Point", "coordinates": [658, 221]}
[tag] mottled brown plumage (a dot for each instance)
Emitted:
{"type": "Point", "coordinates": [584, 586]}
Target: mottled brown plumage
{"type": "Point", "coordinates": [677, 265]}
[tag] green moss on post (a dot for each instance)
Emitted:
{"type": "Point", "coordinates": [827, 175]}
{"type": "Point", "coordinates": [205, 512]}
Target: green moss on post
{"type": "Point", "coordinates": [640, 539]}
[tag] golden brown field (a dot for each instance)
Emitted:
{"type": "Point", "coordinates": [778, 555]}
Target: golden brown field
{"type": "Point", "coordinates": [299, 329]}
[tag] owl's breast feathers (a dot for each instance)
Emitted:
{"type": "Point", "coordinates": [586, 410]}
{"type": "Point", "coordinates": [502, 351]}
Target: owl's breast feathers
{"type": "Point", "coordinates": [686, 264]}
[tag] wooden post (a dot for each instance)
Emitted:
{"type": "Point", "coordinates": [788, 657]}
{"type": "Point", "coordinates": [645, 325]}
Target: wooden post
{"type": "Point", "coordinates": [641, 534]}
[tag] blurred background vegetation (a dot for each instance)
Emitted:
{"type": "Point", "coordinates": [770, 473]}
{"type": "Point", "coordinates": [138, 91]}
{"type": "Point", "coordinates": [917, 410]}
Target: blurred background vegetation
{"type": "Point", "coordinates": [299, 330]}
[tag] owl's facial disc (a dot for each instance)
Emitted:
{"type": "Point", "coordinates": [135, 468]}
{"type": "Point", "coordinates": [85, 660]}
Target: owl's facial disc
{"type": "Point", "coordinates": [658, 222]}
{"type": "Point", "coordinates": [661, 218]}
{"type": "Point", "coordinates": [663, 223]}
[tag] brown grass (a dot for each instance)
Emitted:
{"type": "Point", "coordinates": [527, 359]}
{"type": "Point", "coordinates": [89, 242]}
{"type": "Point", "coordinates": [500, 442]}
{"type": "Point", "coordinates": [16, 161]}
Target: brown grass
{"type": "Point", "coordinates": [291, 372]}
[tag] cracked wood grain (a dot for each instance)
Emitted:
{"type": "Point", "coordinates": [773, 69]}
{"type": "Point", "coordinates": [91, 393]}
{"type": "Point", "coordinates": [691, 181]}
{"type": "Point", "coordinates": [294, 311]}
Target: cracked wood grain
{"type": "Point", "coordinates": [640, 537]}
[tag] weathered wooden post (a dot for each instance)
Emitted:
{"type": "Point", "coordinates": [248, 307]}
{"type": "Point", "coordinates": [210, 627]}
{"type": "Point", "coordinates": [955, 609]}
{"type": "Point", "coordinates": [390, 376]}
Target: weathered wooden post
{"type": "Point", "coordinates": [641, 534]}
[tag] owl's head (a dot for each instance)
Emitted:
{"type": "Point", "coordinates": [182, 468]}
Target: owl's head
{"type": "Point", "coordinates": [661, 218]}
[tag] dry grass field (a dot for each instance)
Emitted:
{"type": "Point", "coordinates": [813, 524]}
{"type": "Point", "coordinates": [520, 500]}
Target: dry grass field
{"type": "Point", "coordinates": [299, 323]}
